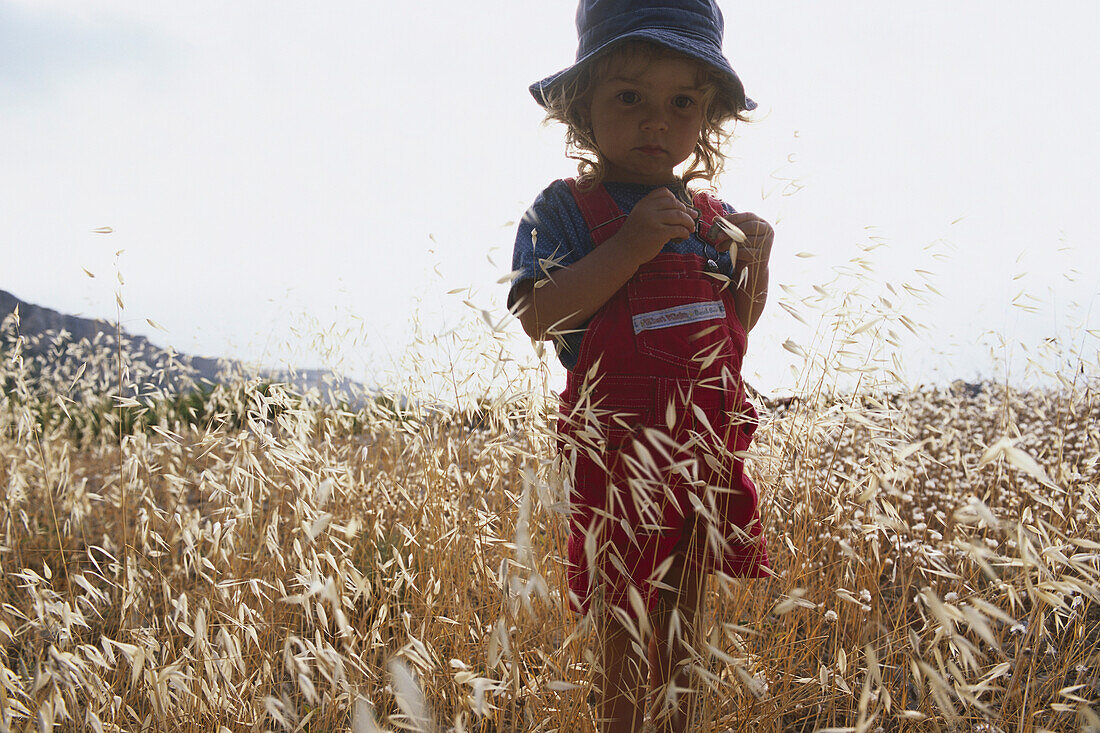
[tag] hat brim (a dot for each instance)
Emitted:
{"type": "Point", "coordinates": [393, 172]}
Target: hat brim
{"type": "Point", "coordinates": [678, 41]}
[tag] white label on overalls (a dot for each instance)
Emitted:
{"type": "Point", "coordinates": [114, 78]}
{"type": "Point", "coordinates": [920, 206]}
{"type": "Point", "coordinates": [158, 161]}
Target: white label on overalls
{"type": "Point", "coordinates": [679, 315]}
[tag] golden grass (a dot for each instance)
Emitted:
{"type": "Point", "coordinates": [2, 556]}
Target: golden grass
{"type": "Point", "coordinates": [296, 567]}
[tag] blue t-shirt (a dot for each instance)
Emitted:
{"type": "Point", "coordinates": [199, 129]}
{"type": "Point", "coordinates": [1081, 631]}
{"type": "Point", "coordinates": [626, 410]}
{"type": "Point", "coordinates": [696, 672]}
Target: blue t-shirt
{"type": "Point", "coordinates": [553, 234]}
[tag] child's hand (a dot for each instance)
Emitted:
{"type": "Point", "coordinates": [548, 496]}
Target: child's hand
{"type": "Point", "coordinates": [756, 250]}
{"type": "Point", "coordinates": [656, 220]}
{"type": "Point", "coordinates": [751, 285]}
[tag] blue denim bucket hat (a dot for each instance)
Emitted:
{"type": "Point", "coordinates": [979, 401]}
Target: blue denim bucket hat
{"type": "Point", "coordinates": [691, 27]}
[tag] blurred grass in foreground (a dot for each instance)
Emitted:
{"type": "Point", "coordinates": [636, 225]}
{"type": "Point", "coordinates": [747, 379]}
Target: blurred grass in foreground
{"type": "Point", "coordinates": [241, 557]}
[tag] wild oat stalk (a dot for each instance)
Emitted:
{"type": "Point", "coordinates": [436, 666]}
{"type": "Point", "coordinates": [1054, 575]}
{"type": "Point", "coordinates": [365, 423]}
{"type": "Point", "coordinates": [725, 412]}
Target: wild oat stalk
{"type": "Point", "coordinates": [288, 565]}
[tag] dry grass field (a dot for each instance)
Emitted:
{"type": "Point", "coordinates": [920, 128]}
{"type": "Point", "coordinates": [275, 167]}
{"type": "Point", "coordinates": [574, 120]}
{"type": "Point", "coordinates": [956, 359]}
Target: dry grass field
{"type": "Point", "coordinates": [249, 560]}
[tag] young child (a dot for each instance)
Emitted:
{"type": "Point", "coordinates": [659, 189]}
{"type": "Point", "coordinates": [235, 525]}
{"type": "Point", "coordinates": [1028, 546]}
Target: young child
{"type": "Point", "coordinates": [635, 279]}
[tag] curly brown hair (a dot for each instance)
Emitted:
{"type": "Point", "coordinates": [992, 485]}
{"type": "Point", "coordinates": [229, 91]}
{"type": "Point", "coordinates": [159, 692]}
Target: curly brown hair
{"type": "Point", "coordinates": [569, 104]}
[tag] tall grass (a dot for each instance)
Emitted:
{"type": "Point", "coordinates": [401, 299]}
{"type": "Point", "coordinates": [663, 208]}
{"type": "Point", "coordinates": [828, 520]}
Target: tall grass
{"type": "Point", "coordinates": [245, 558]}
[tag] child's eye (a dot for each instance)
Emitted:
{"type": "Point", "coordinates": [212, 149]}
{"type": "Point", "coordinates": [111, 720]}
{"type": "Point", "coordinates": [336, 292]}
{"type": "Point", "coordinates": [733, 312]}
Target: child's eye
{"type": "Point", "coordinates": [628, 97]}
{"type": "Point", "coordinates": [682, 101]}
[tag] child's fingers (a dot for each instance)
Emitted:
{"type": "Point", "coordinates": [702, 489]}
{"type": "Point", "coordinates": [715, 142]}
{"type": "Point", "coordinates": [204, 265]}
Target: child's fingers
{"type": "Point", "coordinates": [681, 231]}
{"type": "Point", "coordinates": [675, 216]}
{"type": "Point", "coordinates": [663, 199]}
{"type": "Point", "coordinates": [665, 212]}
{"type": "Point", "coordinates": [660, 196]}
{"type": "Point", "coordinates": [682, 227]}
{"type": "Point", "coordinates": [751, 224]}
{"type": "Point", "coordinates": [685, 219]}
{"type": "Point", "coordinates": [742, 216]}
{"type": "Point", "coordinates": [759, 235]}
{"type": "Point", "coordinates": [728, 232]}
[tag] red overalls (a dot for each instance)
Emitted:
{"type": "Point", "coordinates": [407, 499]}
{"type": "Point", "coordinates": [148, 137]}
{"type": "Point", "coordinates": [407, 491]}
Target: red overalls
{"type": "Point", "coordinates": [652, 418]}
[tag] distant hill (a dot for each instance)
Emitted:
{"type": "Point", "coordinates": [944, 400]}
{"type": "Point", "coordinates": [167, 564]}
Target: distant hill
{"type": "Point", "coordinates": [55, 338]}
{"type": "Point", "coordinates": [37, 321]}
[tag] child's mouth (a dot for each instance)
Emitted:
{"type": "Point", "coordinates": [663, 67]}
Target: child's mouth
{"type": "Point", "coordinates": [650, 149]}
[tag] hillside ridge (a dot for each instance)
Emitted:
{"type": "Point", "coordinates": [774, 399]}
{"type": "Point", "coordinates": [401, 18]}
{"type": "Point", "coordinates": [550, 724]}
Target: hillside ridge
{"type": "Point", "coordinates": [37, 321]}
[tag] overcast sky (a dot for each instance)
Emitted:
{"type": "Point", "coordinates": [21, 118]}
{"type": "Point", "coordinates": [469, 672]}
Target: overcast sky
{"type": "Point", "coordinates": [273, 169]}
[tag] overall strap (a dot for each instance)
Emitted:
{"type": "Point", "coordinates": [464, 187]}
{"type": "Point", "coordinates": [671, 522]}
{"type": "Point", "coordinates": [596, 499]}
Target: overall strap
{"type": "Point", "coordinates": [602, 215]}
{"type": "Point", "coordinates": [709, 207]}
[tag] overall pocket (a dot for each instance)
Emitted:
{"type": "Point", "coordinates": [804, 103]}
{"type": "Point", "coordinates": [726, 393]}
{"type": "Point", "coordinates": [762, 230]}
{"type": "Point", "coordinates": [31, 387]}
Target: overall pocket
{"type": "Point", "coordinates": [682, 321]}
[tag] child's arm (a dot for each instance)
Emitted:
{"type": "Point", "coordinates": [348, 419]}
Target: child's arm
{"type": "Point", "coordinates": [753, 254]}
{"type": "Point", "coordinates": [573, 294]}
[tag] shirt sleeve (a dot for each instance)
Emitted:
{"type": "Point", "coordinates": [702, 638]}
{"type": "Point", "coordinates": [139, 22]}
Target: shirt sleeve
{"type": "Point", "coordinates": [550, 236]}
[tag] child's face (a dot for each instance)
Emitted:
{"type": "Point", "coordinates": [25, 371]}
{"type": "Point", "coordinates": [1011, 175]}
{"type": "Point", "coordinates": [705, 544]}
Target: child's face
{"type": "Point", "coordinates": [647, 116]}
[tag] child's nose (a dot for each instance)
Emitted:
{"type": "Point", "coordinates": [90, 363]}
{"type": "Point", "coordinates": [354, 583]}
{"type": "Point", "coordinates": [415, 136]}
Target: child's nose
{"type": "Point", "coordinates": [655, 118]}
